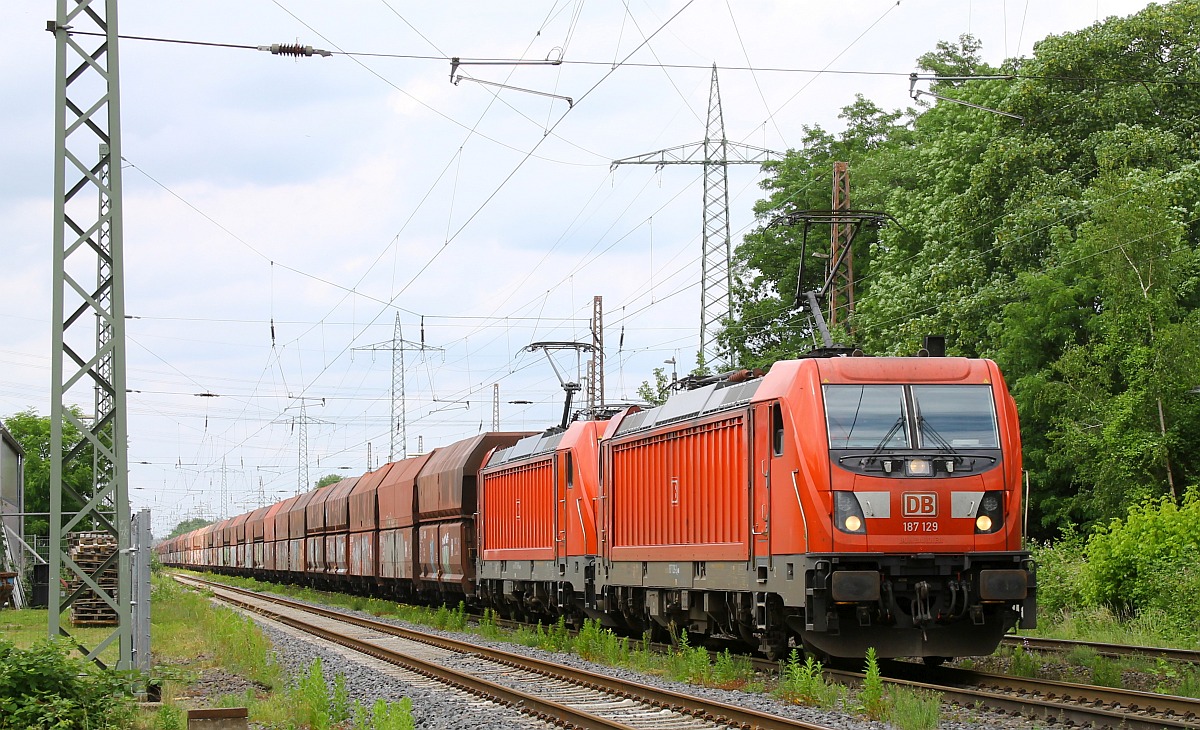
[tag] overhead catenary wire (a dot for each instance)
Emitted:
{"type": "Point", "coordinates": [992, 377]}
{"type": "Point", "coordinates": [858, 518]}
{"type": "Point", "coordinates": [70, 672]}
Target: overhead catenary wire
{"type": "Point", "coordinates": [695, 66]}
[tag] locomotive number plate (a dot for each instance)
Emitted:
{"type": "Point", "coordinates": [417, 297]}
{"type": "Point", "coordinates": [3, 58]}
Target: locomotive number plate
{"type": "Point", "coordinates": [920, 526]}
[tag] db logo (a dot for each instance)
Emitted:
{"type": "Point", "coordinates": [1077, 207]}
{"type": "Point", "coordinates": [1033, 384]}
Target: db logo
{"type": "Point", "coordinates": [920, 504]}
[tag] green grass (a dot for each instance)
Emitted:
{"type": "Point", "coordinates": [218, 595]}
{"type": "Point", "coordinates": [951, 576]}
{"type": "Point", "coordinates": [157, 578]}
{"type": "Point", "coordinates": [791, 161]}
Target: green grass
{"type": "Point", "coordinates": [911, 709]}
{"type": "Point", "coordinates": [28, 626]}
{"type": "Point", "coordinates": [190, 635]}
{"type": "Point", "coordinates": [1145, 628]}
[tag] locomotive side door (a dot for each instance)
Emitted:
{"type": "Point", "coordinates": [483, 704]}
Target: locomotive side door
{"type": "Point", "coordinates": [760, 500]}
{"type": "Point", "coordinates": [564, 477]}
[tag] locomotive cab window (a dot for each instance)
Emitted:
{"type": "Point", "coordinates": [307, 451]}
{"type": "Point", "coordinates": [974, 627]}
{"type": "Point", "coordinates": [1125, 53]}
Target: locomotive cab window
{"type": "Point", "coordinates": [886, 417]}
{"type": "Point", "coordinates": [866, 417]}
{"type": "Point", "coordinates": [955, 416]}
{"type": "Point", "coordinates": [570, 470]}
{"type": "Point", "coordinates": [777, 429]}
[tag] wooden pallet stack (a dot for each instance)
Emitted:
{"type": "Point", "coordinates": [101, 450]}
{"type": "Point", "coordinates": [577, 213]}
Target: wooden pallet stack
{"type": "Point", "coordinates": [89, 550]}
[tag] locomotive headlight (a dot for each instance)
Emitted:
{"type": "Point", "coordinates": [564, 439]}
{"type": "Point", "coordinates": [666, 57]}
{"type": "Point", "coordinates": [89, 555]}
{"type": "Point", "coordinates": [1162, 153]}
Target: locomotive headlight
{"type": "Point", "coordinates": [990, 516]}
{"type": "Point", "coordinates": [919, 467]}
{"type": "Point", "coordinates": [847, 513]}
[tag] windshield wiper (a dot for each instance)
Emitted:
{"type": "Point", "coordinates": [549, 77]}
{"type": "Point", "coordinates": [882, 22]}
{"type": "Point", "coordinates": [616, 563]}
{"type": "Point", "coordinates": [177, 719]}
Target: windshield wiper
{"type": "Point", "coordinates": [924, 427]}
{"type": "Point", "coordinates": [888, 436]}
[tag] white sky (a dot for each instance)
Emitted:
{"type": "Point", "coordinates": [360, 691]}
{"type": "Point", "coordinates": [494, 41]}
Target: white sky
{"type": "Point", "coordinates": [378, 175]}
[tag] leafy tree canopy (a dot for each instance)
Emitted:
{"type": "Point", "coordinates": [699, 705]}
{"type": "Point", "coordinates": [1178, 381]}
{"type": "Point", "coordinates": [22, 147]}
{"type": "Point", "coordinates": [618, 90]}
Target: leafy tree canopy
{"type": "Point", "coordinates": [328, 479]}
{"type": "Point", "coordinates": [192, 523]}
{"type": "Point", "coordinates": [33, 433]}
{"type": "Point", "coordinates": [1063, 245]}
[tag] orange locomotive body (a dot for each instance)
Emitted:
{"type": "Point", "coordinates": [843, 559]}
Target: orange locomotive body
{"type": "Point", "coordinates": [840, 502]}
{"type": "Point", "coordinates": [834, 503]}
{"type": "Point", "coordinates": [537, 525]}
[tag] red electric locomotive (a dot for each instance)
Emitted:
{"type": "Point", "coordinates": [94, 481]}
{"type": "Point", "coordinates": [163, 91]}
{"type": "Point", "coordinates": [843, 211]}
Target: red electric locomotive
{"type": "Point", "coordinates": [844, 502]}
{"type": "Point", "coordinates": [835, 503]}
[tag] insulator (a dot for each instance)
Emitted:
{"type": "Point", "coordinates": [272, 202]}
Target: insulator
{"type": "Point", "coordinates": [294, 49]}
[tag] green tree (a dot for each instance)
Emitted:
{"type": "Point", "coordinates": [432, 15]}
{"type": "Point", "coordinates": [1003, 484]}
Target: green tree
{"type": "Point", "coordinates": [328, 479]}
{"type": "Point", "coordinates": [657, 393]}
{"type": "Point", "coordinates": [33, 433]}
{"type": "Point", "coordinates": [1063, 245]}
{"type": "Point", "coordinates": [192, 523]}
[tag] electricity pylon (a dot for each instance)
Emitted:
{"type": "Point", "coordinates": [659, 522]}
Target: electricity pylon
{"type": "Point", "coordinates": [716, 154]}
{"type": "Point", "coordinates": [88, 335]}
{"type": "Point", "coordinates": [397, 345]}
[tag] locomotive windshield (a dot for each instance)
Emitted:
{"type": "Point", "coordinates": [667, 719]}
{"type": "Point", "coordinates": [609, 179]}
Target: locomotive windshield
{"type": "Point", "coordinates": [866, 417]}
{"type": "Point", "coordinates": [880, 417]}
{"type": "Point", "coordinates": [955, 416]}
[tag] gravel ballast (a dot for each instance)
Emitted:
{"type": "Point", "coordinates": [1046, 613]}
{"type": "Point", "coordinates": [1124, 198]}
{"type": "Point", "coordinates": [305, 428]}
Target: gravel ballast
{"type": "Point", "coordinates": [437, 707]}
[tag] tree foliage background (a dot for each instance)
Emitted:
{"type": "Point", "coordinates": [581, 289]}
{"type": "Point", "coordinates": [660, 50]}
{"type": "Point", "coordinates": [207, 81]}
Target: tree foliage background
{"type": "Point", "coordinates": [33, 433]}
{"type": "Point", "coordinates": [1063, 246]}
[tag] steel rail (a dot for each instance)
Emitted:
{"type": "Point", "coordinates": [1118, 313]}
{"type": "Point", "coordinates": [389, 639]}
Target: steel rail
{"type": "Point", "coordinates": [1104, 649]}
{"type": "Point", "coordinates": [711, 710]}
{"type": "Point", "coordinates": [522, 701]}
{"type": "Point", "coordinates": [1048, 700]}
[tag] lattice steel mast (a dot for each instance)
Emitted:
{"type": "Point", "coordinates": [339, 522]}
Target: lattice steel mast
{"type": "Point", "coordinates": [715, 153]}
{"type": "Point", "coordinates": [397, 345]}
{"type": "Point", "coordinates": [595, 386]}
{"type": "Point", "coordinates": [841, 235]}
{"type": "Point", "coordinates": [88, 242]}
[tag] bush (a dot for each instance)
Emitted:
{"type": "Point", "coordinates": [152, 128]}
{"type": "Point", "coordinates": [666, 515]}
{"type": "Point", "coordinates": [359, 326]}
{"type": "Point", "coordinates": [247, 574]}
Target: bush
{"type": "Point", "coordinates": [45, 687]}
{"type": "Point", "coordinates": [1131, 561]}
{"type": "Point", "coordinates": [1060, 570]}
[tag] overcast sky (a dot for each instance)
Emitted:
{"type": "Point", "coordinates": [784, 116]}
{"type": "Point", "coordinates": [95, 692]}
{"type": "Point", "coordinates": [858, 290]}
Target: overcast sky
{"type": "Point", "coordinates": [328, 194]}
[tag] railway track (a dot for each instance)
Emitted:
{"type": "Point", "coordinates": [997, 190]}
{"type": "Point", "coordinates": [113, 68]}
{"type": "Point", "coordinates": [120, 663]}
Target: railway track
{"type": "Point", "coordinates": [1050, 700]}
{"type": "Point", "coordinates": [1030, 643]}
{"type": "Point", "coordinates": [547, 691]}
{"type": "Point", "coordinates": [1034, 699]}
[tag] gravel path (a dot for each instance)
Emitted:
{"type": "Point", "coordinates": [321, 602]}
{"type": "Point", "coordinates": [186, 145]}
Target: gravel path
{"type": "Point", "coordinates": [436, 707]}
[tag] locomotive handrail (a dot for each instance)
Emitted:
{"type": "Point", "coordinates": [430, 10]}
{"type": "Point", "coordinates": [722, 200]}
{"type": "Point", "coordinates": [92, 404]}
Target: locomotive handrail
{"type": "Point", "coordinates": [800, 504]}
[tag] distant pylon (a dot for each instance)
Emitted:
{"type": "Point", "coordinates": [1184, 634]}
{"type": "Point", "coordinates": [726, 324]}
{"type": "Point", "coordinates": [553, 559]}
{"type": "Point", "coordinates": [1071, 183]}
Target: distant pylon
{"type": "Point", "coordinates": [595, 389]}
{"type": "Point", "coordinates": [398, 427]}
{"type": "Point", "coordinates": [716, 274]}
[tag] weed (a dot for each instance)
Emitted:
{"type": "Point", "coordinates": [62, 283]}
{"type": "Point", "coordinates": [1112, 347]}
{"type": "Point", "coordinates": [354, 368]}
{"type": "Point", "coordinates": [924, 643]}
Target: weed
{"type": "Point", "coordinates": [730, 672]}
{"type": "Point", "coordinates": [642, 658]}
{"type": "Point", "coordinates": [805, 683]}
{"type": "Point", "coordinates": [687, 664]}
{"type": "Point", "coordinates": [339, 706]}
{"type": "Point", "coordinates": [311, 698]}
{"type": "Point", "coordinates": [914, 709]}
{"type": "Point", "coordinates": [44, 686]}
{"type": "Point", "coordinates": [1106, 672]}
{"type": "Point", "coordinates": [874, 702]}
{"type": "Point", "coordinates": [596, 643]}
{"type": "Point", "coordinates": [393, 715]}
{"type": "Point", "coordinates": [170, 717]}
{"type": "Point", "coordinates": [487, 625]}
{"type": "Point", "coordinates": [1024, 664]}
{"type": "Point", "coordinates": [1081, 656]}
{"type": "Point", "coordinates": [1189, 684]}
